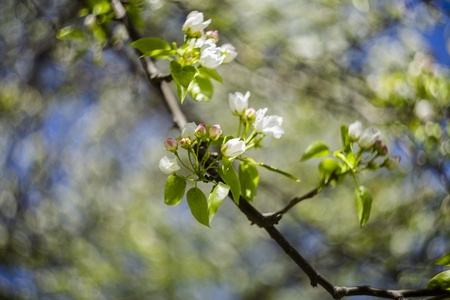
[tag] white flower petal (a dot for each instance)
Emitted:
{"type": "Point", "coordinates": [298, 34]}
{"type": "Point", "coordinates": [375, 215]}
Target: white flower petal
{"type": "Point", "coordinates": [233, 148]}
{"type": "Point", "coordinates": [168, 165]}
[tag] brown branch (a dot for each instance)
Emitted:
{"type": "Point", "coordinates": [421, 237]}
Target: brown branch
{"type": "Point", "coordinates": [253, 215]}
{"type": "Point", "coordinates": [275, 217]}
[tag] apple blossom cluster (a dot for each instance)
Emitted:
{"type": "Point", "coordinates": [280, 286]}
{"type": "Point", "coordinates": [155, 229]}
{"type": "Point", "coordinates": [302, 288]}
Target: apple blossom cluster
{"type": "Point", "coordinates": [368, 141]}
{"type": "Point", "coordinates": [265, 125]}
{"type": "Point", "coordinates": [202, 45]}
{"type": "Point", "coordinates": [191, 137]}
{"type": "Point", "coordinates": [192, 65]}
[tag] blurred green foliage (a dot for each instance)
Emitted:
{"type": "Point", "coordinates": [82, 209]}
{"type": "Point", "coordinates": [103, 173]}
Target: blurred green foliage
{"type": "Point", "coordinates": [82, 212]}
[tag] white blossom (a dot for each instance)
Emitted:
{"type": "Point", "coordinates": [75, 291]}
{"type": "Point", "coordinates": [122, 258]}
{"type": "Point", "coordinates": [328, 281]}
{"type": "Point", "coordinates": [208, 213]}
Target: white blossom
{"type": "Point", "coordinates": [269, 125]}
{"type": "Point", "coordinates": [230, 52]}
{"type": "Point", "coordinates": [188, 131]}
{"type": "Point", "coordinates": [206, 44]}
{"type": "Point", "coordinates": [194, 23]}
{"type": "Point", "coordinates": [238, 103]}
{"type": "Point", "coordinates": [168, 165]}
{"type": "Point", "coordinates": [233, 148]}
{"type": "Point", "coordinates": [354, 130]}
{"type": "Point", "coordinates": [368, 138]}
{"type": "Point", "coordinates": [211, 57]}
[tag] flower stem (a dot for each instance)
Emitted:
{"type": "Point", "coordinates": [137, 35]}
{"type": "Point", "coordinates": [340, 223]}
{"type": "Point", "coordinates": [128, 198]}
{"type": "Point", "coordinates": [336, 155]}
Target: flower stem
{"type": "Point", "coordinates": [176, 154]}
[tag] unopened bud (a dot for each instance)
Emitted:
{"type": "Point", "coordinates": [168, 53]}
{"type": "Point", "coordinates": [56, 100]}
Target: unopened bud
{"type": "Point", "coordinates": [212, 34]}
{"type": "Point", "coordinates": [380, 148]}
{"type": "Point", "coordinates": [250, 115]}
{"type": "Point", "coordinates": [185, 143]}
{"type": "Point", "coordinates": [392, 162]}
{"type": "Point", "coordinates": [215, 132]}
{"type": "Point", "coordinates": [171, 145]}
{"type": "Point", "coordinates": [354, 130]}
{"type": "Point", "coordinates": [200, 131]}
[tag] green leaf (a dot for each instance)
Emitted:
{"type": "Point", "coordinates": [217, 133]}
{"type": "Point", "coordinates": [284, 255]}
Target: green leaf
{"type": "Point", "coordinates": [363, 200]}
{"type": "Point", "coordinates": [347, 158]}
{"type": "Point", "coordinates": [70, 33]}
{"type": "Point", "coordinates": [231, 179]}
{"type": "Point", "coordinates": [209, 73]}
{"type": "Point", "coordinates": [443, 261]}
{"type": "Point", "coordinates": [273, 169]}
{"type": "Point", "coordinates": [327, 167]}
{"type": "Point", "coordinates": [248, 179]}
{"type": "Point", "coordinates": [160, 53]}
{"type": "Point", "coordinates": [182, 76]}
{"type": "Point", "coordinates": [316, 149]}
{"type": "Point", "coordinates": [99, 7]}
{"type": "Point", "coordinates": [174, 189]}
{"type": "Point", "coordinates": [344, 137]}
{"type": "Point", "coordinates": [441, 280]}
{"type": "Point", "coordinates": [99, 34]}
{"type": "Point", "coordinates": [198, 205]}
{"type": "Point", "coordinates": [216, 197]}
{"type": "Point", "coordinates": [201, 89]}
{"type": "Point", "coordinates": [149, 45]}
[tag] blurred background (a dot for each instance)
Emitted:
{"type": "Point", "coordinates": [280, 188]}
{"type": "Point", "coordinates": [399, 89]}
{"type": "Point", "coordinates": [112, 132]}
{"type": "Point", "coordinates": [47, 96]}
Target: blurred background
{"type": "Point", "coordinates": [81, 134]}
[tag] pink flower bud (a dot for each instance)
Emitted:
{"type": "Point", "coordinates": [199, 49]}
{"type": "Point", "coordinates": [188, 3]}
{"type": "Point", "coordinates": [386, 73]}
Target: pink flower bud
{"type": "Point", "coordinates": [212, 34]}
{"type": "Point", "coordinates": [392, 162]}
{"type": "Point", "coordinates": [171, 145]}
{"type": "Point", "coordinates": [200, 131]}
{"type": "Point", "coordinates": [380, 148]}
{"type": "Point", "coordinates": [185, 143]}
{"type": "Point", "coordinates": [215, 132]}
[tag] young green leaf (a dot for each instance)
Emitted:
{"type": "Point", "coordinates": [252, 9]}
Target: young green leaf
{"type": "Point", "coordinates": [316, 149]}
{"type": "Point", "coordinates": [198, 205]}
{"type": "Point", "coordinates": [363, 200]}
{"type": "Point", "coordinates": [70, 33]}
{"type": "Point", "coordinates": [174, 189]}
{"type": "Point", "coordinates": [441, 280]}
{"type": "Point", "coordinates": [99, 7]}
{"type": "Point", "coordinates": [443, 260]}
{"type": "Point", "coordinates": [273, 169]}
{"type": "Point", "coordinates": [248, 179]}
{"type": "Point", "coordinates": [216, 197]}
{"type": "Point", "coordinates": [160, 53]}
{"type": "Point", "coordinates": [201, 89]}
{"type": "Point", "coordinates": [348, 158]}
{"type": "Point", "coordinates": [182, 76]}
{"type": "Point", "coordinates": [327, 167]}
{"type": "Point", "coordinates": [209, 73]}
{"type": "Point", "coordinates": [148, 45]}
{"type": "Point", "coordinates": [231, 179]}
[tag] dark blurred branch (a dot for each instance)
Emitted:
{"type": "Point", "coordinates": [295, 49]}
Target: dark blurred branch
{"type": "Point", "coordinates": [33, 6]}
{"type": "Point", "coordinates": [156, 79]}
{"type": "Point", "coordinates": [252, 214]}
